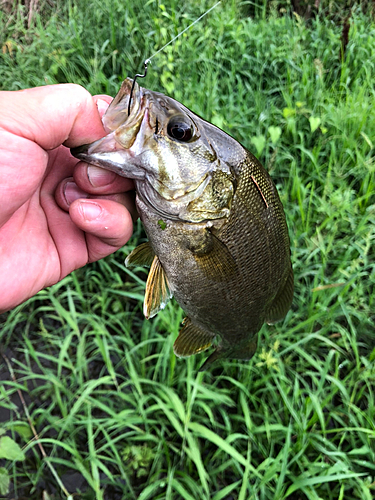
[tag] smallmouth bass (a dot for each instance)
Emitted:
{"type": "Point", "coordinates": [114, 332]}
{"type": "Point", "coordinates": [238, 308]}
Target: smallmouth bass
{"type": "Point", "coordinates": [218, 239]}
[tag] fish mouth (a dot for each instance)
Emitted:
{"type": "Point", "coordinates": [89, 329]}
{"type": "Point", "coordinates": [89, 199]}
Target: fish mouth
{"type": "Point", "coordinates": [137, 146]}
{"type": "Point", "coordinates": [118, 113]}
{"type": "Point", "coordinates": [120, 146]}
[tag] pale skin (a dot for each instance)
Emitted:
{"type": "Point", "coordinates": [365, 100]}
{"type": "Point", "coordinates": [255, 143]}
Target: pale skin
{"type": "Point", "coordinates": [56, 214]}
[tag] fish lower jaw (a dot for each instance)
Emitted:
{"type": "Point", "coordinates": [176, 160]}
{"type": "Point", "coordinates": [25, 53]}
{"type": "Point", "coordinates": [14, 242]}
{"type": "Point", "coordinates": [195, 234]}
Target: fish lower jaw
{"type": "Point", "coordinates": [117, 162]}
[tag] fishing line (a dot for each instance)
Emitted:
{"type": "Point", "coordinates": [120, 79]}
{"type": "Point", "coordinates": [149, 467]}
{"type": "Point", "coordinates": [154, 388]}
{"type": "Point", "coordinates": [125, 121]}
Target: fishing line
{"type": "Point", "coordinates": [182, 32]}
{"type": "Point", "coordinates": [147, 61]}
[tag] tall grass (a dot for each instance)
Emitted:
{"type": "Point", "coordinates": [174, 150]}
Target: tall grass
{"type": "Point", "coordinates": [117, 414]}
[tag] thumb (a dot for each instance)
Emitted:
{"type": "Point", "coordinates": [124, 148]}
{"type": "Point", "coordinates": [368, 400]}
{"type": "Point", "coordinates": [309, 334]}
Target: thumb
{"type": "Point", "coordinates": [52, 115]}
{"type": "Point", "coordinates": [33, 121]}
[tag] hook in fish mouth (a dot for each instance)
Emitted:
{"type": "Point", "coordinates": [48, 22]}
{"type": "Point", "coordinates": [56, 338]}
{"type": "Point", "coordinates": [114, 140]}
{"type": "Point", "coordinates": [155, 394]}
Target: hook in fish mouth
{"type": "Point", "coordinates": [138, 75]}
{"type": "Point", "coordinates": [124, 107]}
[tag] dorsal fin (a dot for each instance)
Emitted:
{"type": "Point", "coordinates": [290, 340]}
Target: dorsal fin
{"type": "Point", "coordinates": [142, 255]}
{"type": "Point", "coordinates": [191, 340]}
{"type": "Point", "coordinates": [157, 290]}
{"type": "Point", "coordinates": [282, 301]}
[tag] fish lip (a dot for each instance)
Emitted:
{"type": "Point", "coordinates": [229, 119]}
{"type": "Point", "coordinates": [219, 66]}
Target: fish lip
{"type": "Point", "coordinates": [100, 160]}
{"type": "Point", "coordinates": [115, 150]}
{"type": "Point", "coordinates": [90, 152]}
{"type": "Point", "coordinates": [115, 159]}
{"type": "Point", "coordinates": [80, 152]}
{"type": "Point", "coordinates": [117, 112]}
{"type": "Point", "coordinates": [116, 117]}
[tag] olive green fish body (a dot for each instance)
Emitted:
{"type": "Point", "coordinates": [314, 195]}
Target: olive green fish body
{"type": "Point", "coordinates": [233, 303]}
{"type": "Point", "coordinates": [218, 239]}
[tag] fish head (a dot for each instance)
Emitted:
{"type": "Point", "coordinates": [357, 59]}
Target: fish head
{"type": "Point", "coordinates": [184, 168]}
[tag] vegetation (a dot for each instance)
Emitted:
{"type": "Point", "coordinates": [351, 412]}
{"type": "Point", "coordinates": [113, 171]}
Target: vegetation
{"type": "Point", "coordinates": [117, 415]}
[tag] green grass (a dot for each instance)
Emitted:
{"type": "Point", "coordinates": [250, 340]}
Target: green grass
{"type": "Point", "coordinates": [104, 390]}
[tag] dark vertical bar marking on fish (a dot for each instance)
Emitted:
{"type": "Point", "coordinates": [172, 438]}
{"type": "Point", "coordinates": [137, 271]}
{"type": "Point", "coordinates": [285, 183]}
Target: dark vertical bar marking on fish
{"type": "Point", "coordinates": [260, 191]}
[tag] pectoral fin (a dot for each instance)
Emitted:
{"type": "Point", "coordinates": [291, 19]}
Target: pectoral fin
{"type": "Point", "coordinates": [282, 301]}
{"type": "Point", "coordinates": [191, 340]}
{"type": "Point", "coordinates": [142, 255]}
{"type": "Point", "coordinates": [157, 290]}
{"type": "Point", "coordinates": [213, 256]}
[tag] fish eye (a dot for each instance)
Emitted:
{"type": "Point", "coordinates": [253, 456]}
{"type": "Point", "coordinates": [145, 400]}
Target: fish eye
{"type": "Point", "coordinates": [180, 130]}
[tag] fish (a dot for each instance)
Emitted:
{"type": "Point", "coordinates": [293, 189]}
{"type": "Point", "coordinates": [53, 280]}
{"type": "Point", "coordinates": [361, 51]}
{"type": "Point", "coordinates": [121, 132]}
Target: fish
{"type": "Point", "coordinates": [217, 234]}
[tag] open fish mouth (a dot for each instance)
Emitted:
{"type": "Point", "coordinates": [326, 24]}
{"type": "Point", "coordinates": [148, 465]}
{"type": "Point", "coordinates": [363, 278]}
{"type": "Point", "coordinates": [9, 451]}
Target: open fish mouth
{"type": "Point", "coordinates": [120, 145]}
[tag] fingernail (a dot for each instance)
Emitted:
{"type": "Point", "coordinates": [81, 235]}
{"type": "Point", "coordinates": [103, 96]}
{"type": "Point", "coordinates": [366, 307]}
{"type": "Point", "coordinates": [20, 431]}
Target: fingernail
{"type": "Point", "coordinates": [102, 106]}
{"type": "Point", "coordinates": [72, 192]}
{"type": "Point", "coordinates": [90, 210]}
{"type": "Point", "coordinates": [99, 177]}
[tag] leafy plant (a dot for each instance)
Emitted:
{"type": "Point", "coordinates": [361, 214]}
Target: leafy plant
{"type": "Point", "coordinates": [9, 450]}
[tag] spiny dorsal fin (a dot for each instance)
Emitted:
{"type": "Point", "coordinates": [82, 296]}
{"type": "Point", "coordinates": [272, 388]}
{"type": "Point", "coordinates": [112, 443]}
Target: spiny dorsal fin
{"type": "Point", "coordinates": [191, 340]}
{"type": "Point", "coordinates": [217, 263]}
{"type": "Point", "coordinates": [142, 255]}
{"type": "Point", "coordinates": [282, 301]}
{"type": "Point", "coordinates": [157, 290]}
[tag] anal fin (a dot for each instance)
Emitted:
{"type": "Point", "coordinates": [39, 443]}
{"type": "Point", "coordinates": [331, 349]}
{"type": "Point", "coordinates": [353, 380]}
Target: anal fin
{"type": "Point", "coordinates": [157, 289]}
{"type": "Point", "coordinates": [142, 255]}
{"type": "Point", "coordinates": [191, 340]}
{"type": "Point", "coordinates": [282, 301]}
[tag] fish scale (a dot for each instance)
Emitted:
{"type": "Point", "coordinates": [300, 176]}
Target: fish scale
{"type": "Point", "coordinates": [218, 239]}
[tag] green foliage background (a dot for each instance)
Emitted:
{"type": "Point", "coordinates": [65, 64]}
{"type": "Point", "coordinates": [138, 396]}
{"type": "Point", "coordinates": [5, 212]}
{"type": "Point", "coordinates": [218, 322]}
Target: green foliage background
{"type": "Point", "coordinates": [114, 409]}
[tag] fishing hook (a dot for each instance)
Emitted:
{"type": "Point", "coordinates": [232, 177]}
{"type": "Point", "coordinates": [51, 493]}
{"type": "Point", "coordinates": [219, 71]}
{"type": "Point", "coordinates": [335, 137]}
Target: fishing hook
{"type": "Point", "coordinates": [137, 76]}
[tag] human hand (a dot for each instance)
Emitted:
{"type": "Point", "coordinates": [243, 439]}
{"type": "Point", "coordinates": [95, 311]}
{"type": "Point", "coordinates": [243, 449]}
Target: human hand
{"type": "Point", "coordinates": [56, 214]}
